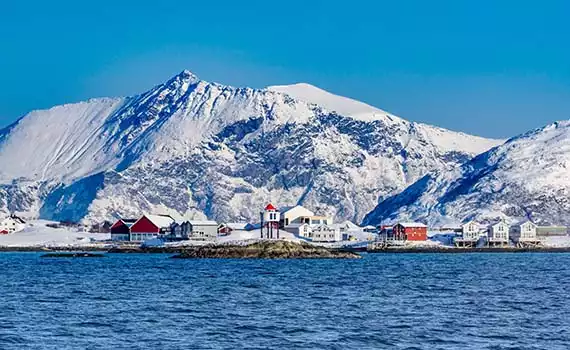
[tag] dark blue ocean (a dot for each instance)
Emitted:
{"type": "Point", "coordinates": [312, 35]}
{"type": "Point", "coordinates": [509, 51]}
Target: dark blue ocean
{"type": "Point", "coordinates": [383, 301]}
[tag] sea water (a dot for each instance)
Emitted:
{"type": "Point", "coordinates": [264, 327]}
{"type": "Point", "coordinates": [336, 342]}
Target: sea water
{"type": "Point", "coordinates": [383, 301]}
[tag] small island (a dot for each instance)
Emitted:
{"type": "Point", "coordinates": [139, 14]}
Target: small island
{"type": "Point", "coordinates": [268, 249]}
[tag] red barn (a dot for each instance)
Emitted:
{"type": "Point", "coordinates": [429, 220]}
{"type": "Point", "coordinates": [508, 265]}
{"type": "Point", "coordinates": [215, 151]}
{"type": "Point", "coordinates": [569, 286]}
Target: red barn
{"type": "Point", "coordinates": [121, 230]}
{"type": "Point", "coordinates": [150, 226]}
{"type": "Point", "coordinates": [410, 231]}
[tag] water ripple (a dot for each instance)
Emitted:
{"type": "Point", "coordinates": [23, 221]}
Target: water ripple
{"type": "Point", "coordinates": [399, 301]}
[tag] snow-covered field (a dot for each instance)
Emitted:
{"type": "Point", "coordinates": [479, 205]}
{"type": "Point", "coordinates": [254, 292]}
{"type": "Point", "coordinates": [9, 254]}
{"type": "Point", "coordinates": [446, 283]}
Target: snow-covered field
{"type": "Point", "coordinates": [37, 234]}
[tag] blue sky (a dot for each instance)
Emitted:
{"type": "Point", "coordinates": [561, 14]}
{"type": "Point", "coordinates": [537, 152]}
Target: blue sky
{"type": "Point", "coordinates": [492, 68]}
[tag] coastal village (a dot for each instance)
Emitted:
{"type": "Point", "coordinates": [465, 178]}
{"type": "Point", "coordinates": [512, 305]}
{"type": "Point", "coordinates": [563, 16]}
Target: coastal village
{"type": "Point", "coordinates": [297, 223]}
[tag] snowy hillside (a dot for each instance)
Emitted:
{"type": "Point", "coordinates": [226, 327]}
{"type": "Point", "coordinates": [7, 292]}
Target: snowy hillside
{"type": "Point", "coordinates": [528, 176]}
{"type": "Point", "coordinates": [192, 148]}
{"type": "Point", "coordinates": [444, 140]}
{"type": "Point", "coordinates": [339, 104]}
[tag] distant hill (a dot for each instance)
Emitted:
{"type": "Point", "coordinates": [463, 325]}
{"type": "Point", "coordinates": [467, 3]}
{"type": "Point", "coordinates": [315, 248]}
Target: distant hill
{"type": "Point", "coordinates": [527, 177]}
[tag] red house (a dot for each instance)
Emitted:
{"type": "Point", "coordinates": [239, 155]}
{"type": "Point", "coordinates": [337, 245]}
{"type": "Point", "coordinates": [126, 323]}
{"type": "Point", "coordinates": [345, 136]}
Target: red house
{"type": "Point", "coordinates": [121, 230]}
{"type": "Point", "coordinates": [150, 226]}
{"type": "Point", "coordinates": [410, 231]}
{"type": "Point", "coordinates": [227, 228]}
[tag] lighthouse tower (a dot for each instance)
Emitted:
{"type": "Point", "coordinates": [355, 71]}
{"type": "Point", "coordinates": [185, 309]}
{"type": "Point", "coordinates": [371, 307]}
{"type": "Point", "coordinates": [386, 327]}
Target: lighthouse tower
{"type": "Point", "coordinates": [270, 222]}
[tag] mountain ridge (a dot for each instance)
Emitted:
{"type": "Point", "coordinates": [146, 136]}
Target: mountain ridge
{"type": "Point", "coordinates": [194, 148]}
{"type": "Point", "coordinates": [526, 177]}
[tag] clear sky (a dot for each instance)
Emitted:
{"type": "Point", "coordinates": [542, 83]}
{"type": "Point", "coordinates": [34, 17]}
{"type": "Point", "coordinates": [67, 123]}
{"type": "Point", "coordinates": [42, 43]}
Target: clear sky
{"type": "Point", "coordinates": [492, 68]}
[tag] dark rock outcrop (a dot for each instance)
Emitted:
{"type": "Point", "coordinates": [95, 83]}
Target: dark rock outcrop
{"type": "Point", "coordinates": [266, 250]}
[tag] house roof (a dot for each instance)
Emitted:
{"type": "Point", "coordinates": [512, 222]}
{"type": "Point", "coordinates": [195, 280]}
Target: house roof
{"type": "Point", "coordinates": [251, 226]}
{"type": "Point", "coordinates": [470, 222]}
{"type": "Point", "coordinates": [286, 209]}
{"type": "Point", "coordinates": [160, 220]}
{"type": "Point", "coordinates": [16, 219]}
{"type": "Point", "coordinates": [203, 223]}
{"type": "Point", "coordinates": [270, 207]}
{"type": "Point", "coordinates": [411, 224]}
{"type": "Point", "coordinates": [296, 224]}
{"type": "Point", "coordinates": [324, 226]}
{"type": "Point", "coordinates": [497, 222]}
{"type": "Point", "coordinates": [236, 225]}
{"type": "Point", "coordinates": [349, 224]}
{"type": "Point", "coordinates": [522, 221]}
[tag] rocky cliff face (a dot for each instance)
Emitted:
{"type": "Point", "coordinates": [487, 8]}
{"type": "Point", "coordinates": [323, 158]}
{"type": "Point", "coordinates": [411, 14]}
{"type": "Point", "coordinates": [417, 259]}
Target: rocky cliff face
{"type": "Point", "coordinates": [198, 149]}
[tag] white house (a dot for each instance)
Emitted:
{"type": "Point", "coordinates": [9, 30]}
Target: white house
{"type": "Point", "coordinates": [301, 215]}
{"type": "Point", "coordinates": [350, 231]}
{"type": "Point", "coordinates": [498, 233]}
{"type": "Point", "coordinates": [325, 233]}
{"type": "Point", "coordinates": [206, 230]}
{"type": "Point", "coordinates": [523, 232]}
{"type": "Point", "coordinates": [470, 231]}
{"type": "Point", "coordinates": [301, 230]}
{"type": "Point", "coordinates": [292, 215]}
{"type": "Point", "coordinates": [12, 224]}
{"type": "Point", "coordinates": [349, 226]}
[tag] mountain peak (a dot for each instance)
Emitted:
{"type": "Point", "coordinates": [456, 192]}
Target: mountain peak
{"type": "Point", "coordinates": [180, 83]}
{"type": "Point", "coordinates": [184, 77]}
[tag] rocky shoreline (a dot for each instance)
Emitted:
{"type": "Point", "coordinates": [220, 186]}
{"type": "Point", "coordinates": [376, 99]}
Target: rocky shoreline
{"type": "Point", "coordinates": [265, 250]}
{"type": "Point", "coordinates": [285, 250]}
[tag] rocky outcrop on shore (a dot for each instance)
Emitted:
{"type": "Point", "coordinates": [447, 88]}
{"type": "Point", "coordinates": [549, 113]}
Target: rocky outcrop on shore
{"type": "Point", "coordinates": [266, 250]}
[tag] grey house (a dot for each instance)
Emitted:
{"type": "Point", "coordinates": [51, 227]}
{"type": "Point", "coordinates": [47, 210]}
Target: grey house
{"type": "Point", "coordinates": [204, 230]}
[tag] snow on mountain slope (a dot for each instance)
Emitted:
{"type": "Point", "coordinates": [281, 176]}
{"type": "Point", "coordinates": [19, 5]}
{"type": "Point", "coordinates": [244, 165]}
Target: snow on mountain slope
{"type": "Point", "coordinates": [334, 103]}
{"type": "Point", "coordinates": [199, 149]}
{"type": "Point", "coordinates": [528, 176]}
{"type": "Point", "coordinates": [59, 142]}
{"type": "Point", "coordinates": [445, 140]}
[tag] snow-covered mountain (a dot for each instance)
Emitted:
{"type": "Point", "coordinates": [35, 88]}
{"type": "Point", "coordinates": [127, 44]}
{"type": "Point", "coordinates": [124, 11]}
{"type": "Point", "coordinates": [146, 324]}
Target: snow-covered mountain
{"type": "Point", "coordinates": [193, 148]}
{"type": "Point", "coordinates": [527, 177]}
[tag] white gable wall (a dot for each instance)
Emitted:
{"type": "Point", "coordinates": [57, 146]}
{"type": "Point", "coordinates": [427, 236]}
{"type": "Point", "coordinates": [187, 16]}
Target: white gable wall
{"type": "Point", "coordinates": [292, 216]}
{"type": "Point", "coordinates": [470, 230]}
{"type": "Point", "coordinates": [499, 232]}
{"type": "Point", "coordinates": [523, 231]}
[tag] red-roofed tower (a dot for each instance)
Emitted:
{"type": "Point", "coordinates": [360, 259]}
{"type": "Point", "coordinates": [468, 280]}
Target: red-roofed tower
{"type": "Point", "coordinates": [270, 217]}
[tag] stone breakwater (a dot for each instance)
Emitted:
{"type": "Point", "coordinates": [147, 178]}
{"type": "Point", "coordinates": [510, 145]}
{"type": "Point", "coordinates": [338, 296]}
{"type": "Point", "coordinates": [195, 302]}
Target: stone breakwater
{"type": "Point", "coordinates": [266, 250]}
